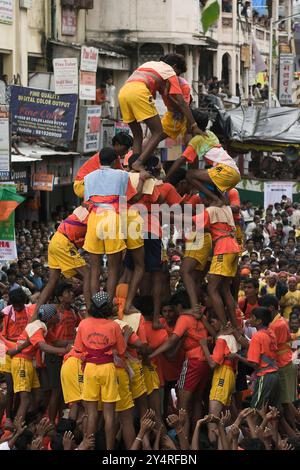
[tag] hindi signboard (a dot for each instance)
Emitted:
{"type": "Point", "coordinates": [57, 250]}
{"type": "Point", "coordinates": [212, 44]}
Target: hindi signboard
{"type": "Point", "coordinates": [65, 76]}
{"type": "Point", "coordinates": [42, 113]}
{"type": "Point", "coordinates": [89, 59]}
{"type": "Point", "coordinates": [286, 71]}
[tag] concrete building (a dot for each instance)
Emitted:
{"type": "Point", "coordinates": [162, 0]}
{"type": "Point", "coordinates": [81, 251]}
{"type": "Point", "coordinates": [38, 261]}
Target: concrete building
{"type": "Point", "coordinates": [22, 38]}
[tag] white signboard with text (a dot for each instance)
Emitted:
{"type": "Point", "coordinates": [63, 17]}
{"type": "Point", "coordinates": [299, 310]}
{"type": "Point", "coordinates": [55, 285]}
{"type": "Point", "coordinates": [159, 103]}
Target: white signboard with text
{"type": "Point", "coordinates": [273, 192]}
{"type": "Point", "coordinates": [65, 76]}
{"type": "Point", "coordinates": [89, 59]}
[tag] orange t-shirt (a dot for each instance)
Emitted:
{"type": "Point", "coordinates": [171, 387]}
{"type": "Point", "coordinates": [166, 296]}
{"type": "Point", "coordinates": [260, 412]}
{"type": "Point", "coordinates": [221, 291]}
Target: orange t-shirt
{"type": "Point", "coordinates": [247, 311]}
{"type": "Point", "coordinates": [169, 194]}
{"type": "Point", "coordinates": [11, 329]}
{"type": "Point", "coordinates": [171, 368]}
{"type": "Point", "coordinates": [65, 330]}
{"type": "Point", "coordinates": [192, 199]}
{"type": "Point", "coordinates": [222, 245]}
{"type": "Point", "coordinates": [260, 344]}
{"type": "Point", "coordinates": [98, 333]}
{"type": "Point", "coordinates": [35, 339]}
{"type": "Point", "coordinates": [220, 351]}
{"type": "Point", "coordinates": [283, 337]}
{"type": "Point", "coordinates": [194, 330]}
{"type": "Point", "coordinates": [186, 92]}
{"type": "Point", "coordinates": [155, 338]}
{"type": "Point", "coordinates": [74, 230]}
{"type": "Point", "coordinates": [92, 164]}
{"type": "Point", "coordinates": [141, 333]}
{"type": "Point", "coordinates": [234, 200]}
{"type": "Point", "coordinates": [8, 344]}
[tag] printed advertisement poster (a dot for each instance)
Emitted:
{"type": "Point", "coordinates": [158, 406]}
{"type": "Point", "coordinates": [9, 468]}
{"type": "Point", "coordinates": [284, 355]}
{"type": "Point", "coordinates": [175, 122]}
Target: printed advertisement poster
{"type": "Point", "coordinates": [65, 76]}
{"type": "Point", "coordinates": [4, 141]}
{"type": "Point", "coordinates": [87, 88]}
{"type": "Point", "coordinates": [273, 192]}
{"type": "Point", "coordinates": [8, 249]}
{"type": "Point", "coordinates": [89, 59]}
{"type": "Point", "coordinates": [42, 182]}
{"type": "Point", "coordinates": [89, 129]}
{"type": "Point", "coordinates": [42, 113]}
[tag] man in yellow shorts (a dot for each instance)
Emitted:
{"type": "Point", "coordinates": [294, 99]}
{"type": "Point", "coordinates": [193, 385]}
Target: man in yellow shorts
{"type": "Point", "coordinates": [223, 268]}
{"type": "Point", "coordinates": [72, 381]}
{"type": "Point", "coordinates": [64, 257]}
{"type": "Point", "coordinates": [108, 191]}
{"type": "Point", "coordinates": [24, 374]}
{"type": "Point", "coordinates": [97, 338]}
{"type": "Point", "coordinates": [223, 383]}
{"type": "Point", "coordinates": [137, 104]}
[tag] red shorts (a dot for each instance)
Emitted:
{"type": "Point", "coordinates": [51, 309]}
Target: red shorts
{"type": "Point", "coordinates": [194, 375]}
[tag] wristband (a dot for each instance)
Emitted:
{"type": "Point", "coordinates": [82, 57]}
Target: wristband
{"type": "Point", "coordinates": [194, 125]}
{"type": "Point", "coordinates": [139, 439]}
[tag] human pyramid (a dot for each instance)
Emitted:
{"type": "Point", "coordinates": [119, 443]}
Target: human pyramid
{"type": "Point", "coordinates": [134, 346]}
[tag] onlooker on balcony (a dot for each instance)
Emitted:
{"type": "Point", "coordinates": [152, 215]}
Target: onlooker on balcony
{"type": "Point", "coordinates": [246, 10]}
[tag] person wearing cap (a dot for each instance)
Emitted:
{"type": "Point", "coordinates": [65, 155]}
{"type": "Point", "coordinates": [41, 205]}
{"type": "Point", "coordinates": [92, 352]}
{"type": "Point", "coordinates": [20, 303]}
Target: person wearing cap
{"type": "Point", "coordinates": [97, 337]}
{"type": "Point", "coordinates": [25, 379]}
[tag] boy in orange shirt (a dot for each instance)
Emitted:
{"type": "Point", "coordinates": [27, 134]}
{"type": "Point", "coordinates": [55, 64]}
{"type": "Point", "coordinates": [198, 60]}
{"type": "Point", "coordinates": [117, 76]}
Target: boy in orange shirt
{"type": "Point", "coordinates": [24, 375]}
{"type": "Point", "coordinates": [262, 358]}
{"type": "Point", "coordinates": [97, 337]}
{"type": "Point", "coordinates": [223, 383]}
{"type": "Point", "coordinates": [195, 372]}
{"type": "Point", "coordinates": [137, 104]}
{"type": "Point", "coordinates": [63, 255]}
{"type": "Point", "coordinates": [15, 318]}
{"type": "Point", "coordinates": [288, 371]}
{"type": "Point", "coordinates": [219, 221]}
{"type": "Point", "coordinates": [60, 334]}
{"type": "Point", "coordinates": [152, 369]}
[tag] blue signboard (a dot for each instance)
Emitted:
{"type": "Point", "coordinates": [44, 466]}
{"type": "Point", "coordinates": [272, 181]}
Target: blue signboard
{"type": "Point", "coordinates": [42, 113]}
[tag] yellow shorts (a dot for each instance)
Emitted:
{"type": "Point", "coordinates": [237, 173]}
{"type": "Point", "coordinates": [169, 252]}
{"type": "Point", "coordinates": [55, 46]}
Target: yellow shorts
{"type": "Point", "coordinates": [240, 238]}
{"type": "Point", "coordinates": [100, 383]}
{"type": "Point", "coordinates": [224, 265]}
{"type": "Point", "coordinates": [224, 177]}
{"type": "Point", "coordinates": [136, 102]}
{"type": "Point", "coordinates": [126, 401]}
{"type": "Point", "coordinates": [63, 255]}
{"type": "Point", "coordinates": [6, 366]}
{"type": "Point", "coordinates": [78, 188]}
{"type": "Point", "coordinates": [173, 127]}
{"type": "Point", "coordinates": [137, 382]}
{"type": "Point", "coordinates": [104, 233]}
{"type": "Point", "coordinates": [72, 379]}
{"type": "Point", "coordinates": [24, 375]}
{"type": "Point", "coordinates": [134, 230]}
{"type": "Point", "coordinates": [223, 385]}
{"type": "Point", "coordinates": [151, 378]}
{"type": "Point", "coordinates": [199, 249]}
